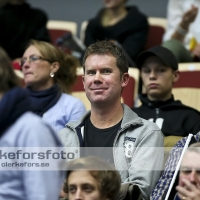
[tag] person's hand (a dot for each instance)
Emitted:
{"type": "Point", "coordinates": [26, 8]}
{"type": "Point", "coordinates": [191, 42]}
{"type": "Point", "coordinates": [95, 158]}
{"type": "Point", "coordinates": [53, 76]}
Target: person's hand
{"type": "Point", "coordinates": [196, 51]}
{"type": "Point", "coordinates": [189, 17]}
{"type": "Point", "coordinates": [189, 191]}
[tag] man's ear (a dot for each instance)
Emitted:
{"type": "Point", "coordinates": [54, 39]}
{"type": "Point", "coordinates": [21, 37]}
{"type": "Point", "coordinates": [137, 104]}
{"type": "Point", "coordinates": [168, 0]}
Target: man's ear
{"type": "Point", "coordinates": [125, 79]}
{"type": "Point", "coordinates": [83, 80]}
{"type": "Point", "coordinates": [176, 76]}
{"type": "Point", "coordinates": [54, 67]}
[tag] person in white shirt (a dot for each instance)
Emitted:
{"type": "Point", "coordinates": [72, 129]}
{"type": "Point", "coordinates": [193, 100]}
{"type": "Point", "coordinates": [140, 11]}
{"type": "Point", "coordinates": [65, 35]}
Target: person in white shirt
{"type": "Point", "coordinates": [182, 35]}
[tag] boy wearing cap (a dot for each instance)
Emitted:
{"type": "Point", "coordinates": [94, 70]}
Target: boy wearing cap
{"type": "Point", "coordinates": [159, 71]}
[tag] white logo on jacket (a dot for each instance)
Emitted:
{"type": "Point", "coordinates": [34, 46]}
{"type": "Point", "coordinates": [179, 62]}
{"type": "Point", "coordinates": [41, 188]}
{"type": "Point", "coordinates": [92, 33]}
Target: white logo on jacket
{"type": "Point", "coordinates": [129, 147]}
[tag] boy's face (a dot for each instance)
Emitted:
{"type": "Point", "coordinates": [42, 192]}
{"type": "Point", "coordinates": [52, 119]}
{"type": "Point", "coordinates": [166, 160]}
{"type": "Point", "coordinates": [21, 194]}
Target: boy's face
{"type": "Point", "coordinates": [158, 79]}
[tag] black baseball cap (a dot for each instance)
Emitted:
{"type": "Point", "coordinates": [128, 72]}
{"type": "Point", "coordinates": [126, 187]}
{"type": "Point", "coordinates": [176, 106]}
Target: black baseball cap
{"type": "Point", "coordinates": [165, 55]}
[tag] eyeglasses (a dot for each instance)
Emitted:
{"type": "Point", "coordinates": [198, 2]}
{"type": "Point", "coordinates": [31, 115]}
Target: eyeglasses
{"type": "Point", "coordinates": [31, 58]}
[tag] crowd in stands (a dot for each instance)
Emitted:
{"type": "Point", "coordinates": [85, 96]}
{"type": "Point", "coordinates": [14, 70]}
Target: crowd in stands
{"type": "Point", "coordinates": [112, 151]}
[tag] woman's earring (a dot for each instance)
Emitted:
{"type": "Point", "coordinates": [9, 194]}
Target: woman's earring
{"type": "Point", "coordinates": [52, 74]}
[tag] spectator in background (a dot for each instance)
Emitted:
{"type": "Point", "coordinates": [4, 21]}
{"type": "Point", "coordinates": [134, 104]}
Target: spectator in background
{"type": "Point", "coordinates": [189, 176]}
{"type": "Point", "coordinates": [189, 167]}
{"type": "Point", "coordinates": [159, 71]}
{"type": "Point", "coordinates": [49, 74]}
{"type": "Point", "coordinates": [20, 128]}
{"type": "Point", "coordinates": [19, 23]}
{"type": "Point", "coordinates": [182, 35]}
{"type": "Point", "coordinates": [125, 25]}
{"type": "Point", "coordinates": [91, 178]}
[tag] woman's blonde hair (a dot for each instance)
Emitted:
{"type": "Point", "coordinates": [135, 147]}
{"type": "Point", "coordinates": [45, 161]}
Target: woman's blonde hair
{"type": "Point", "coordinates": [66, 75]}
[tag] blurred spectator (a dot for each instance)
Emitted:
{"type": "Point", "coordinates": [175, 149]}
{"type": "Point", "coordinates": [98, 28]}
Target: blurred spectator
{"type": "Point", "coordinates": [182, 36]}
{"type": "Point", "coordinates": [189, 167]}
{"type": "Point", "coordinates": [19, 23]}
{"type": "Point", "coordinates": [20, 128]}
{"type": "Point", "coordinates": [159, 71]}
{"type": "Point", "coordinates": [49, 74]}
{"type": "Point", "coordinates": [125, 25]}
{"type": "Point", "coordinates": [91, 178]}
{"type": "Point", "coordinates": [189, 176]}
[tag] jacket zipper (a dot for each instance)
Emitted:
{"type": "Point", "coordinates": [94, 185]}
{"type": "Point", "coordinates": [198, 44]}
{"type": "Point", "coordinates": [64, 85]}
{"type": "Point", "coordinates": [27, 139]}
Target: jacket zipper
{"type": "Point", "coordinates": [157, 113]}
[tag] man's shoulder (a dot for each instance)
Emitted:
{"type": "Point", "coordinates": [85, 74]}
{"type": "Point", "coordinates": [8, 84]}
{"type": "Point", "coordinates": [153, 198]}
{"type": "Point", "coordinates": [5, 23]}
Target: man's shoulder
{"type": "Point", "coordinates": [150, 126]}
{"type": "Point", "coordinates": [141, 125]}
{"type": "Point", "coordinates": [74, 124]}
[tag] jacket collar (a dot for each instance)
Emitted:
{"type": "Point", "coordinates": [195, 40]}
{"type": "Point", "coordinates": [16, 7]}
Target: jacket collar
{"type": "Point", "coordinates": [144, 99]}
{"type": "Point", "coordinates": [129, 118]}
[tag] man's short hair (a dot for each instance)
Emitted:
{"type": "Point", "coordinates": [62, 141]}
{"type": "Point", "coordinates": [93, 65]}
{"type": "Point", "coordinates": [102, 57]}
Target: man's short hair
{"type": "Point", "coordinates": [107, 177]}
{"type": "Point", "coordinates": [165, 55]}
{"type": "Point", "coordinates": [108, 48]}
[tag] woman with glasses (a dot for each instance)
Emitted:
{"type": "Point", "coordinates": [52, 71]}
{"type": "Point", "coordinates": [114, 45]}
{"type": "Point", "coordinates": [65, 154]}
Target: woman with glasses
{"type": "Point", "coordinates": [49, 75]}
{"type": "Point", "coordinates": [22, 130]}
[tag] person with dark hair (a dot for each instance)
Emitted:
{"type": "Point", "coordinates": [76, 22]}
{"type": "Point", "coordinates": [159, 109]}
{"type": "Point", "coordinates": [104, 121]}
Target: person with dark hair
{"type": "Point", "coordinates": [91, 178]}
{"type": "Point", "coordinates": [49, 75]}
{"type": "Point", "coordinates": [159, 71]}
{"type": "Point", "coordinates": [114, 125]}
{"type": "Point", "coordinates": [21, 129]}
{"type": "Point", "coordinates": [20, 23]}
{"type": "Point", "coordinates": [122, 24]}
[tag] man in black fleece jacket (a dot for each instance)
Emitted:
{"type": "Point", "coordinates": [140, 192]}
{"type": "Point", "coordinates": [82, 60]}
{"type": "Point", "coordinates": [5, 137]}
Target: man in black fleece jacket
{"type": "Point", "coordinates": [159, 71]}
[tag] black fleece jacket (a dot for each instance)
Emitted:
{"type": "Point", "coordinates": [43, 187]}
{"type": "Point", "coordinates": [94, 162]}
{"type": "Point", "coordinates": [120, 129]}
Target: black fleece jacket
{"type": "Point", "coordinates": [19, 24]}
{"type": "Point", "coordinates": [171, 116]}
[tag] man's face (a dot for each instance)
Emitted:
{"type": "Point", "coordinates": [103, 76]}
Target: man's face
{"type": "Point", "coordinates": [82, 185]}
{"type": "Point", "coordinates": [102, 80]}
{"type": "Point", "coordinates": [157, 78]}
{"type": "Point", "coordinates": [190, 169]}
